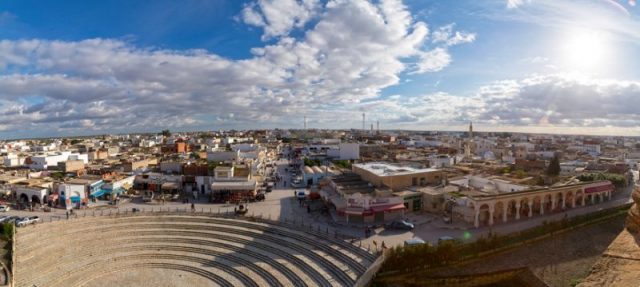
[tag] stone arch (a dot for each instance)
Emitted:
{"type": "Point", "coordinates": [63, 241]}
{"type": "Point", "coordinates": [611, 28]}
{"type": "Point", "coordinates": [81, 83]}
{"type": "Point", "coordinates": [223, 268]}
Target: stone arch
{"type": "Point", "coordinates": [484, 214]}
{"type": "Point", "coordinates": [579, 197]}
{"type": "Point", "coordinates": [499, 212]}
{"type": "Point", "coordinates": [548, 203]}
{"type": "Point", "coordinates": [24, 198]}
{"type": "Point", "coordinates": [537, 205]}
{"type": "Point", "coordinates": [524, 207]}
{"type": "Point", "coordinates": [569, 198]}
{"type": "Point", "coordinates": [557, 198]}
{"type": "Point", "coordinates": [511, 209]}
{"type": "Point", "coordinates": [35, 199]}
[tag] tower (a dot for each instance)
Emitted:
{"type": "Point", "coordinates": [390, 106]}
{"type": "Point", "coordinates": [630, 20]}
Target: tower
{"type": "Point", "coordinates": [363, 128]}
{"type": "Point", "coordinates": [305, 122]}
{"type": "Point", "coordinates": [378, 126]}
{"type": "Point", "coordinates": [469, 146]}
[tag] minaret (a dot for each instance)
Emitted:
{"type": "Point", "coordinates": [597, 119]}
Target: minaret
{"type": "Point", "coordinates": [468, 147]}
{"type": "Point", "coordinates": [305, 122]}
{"type": "Point", "coordinates": [363, 128]}
{"type": "Point", "coordinates": [378, 126]}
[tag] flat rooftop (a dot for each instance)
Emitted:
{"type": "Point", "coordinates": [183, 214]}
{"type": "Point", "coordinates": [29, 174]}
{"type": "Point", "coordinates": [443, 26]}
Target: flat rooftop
{"type": "Point", "coordinates": [386, 169]}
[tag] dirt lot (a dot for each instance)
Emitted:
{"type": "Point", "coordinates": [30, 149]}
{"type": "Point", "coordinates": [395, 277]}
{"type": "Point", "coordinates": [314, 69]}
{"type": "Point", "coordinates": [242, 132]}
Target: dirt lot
{"type": "Point", "coordinates": [561, 260]}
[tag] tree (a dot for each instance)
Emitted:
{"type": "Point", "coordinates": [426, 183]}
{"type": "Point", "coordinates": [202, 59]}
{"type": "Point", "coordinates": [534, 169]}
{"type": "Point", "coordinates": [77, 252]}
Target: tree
{"type": "Point", "coordinates": [554, 167]}
{"type": "Point", "coordinates": [166, 133]}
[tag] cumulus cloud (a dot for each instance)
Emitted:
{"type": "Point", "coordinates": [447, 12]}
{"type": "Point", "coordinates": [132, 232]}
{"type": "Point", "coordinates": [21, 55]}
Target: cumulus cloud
{"type": "Point", "coordinates": [354, 50]}
{"type": "Point", "coordinates": [558, 101]}
{"type": "Point", "coordinates": [279, 17]}
{"type": "Point", "coordinates": [449, 37]}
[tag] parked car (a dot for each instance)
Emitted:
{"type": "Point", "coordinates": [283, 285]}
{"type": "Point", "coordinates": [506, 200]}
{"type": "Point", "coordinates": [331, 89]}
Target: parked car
{"type": "Point", "coordinates": [300, 194]}
{"type": "Point", "coordinates": [27, 220]}
{"type": "Point", "coordinates": [4, 208]}
{"type": "Point", "coordinates": [9, 219]}
{"type": "Point", "coordinates": [414, 241]}
{"type": "Point", "coordinates": [400, 224]}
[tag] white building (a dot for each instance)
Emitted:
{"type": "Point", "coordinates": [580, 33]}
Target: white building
{"type": "Point", "coordinates": [13, 160]}
{"type": "Point", "coordinates": [42, 162]}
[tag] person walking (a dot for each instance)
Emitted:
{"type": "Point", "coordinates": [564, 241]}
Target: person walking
{"type": "Point", "coordinates": [193, 207]}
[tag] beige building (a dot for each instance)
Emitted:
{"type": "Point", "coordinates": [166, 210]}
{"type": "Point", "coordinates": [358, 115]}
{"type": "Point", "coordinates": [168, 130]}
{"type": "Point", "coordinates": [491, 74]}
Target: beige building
{"type": "Point", "coordinates": [395, 177]}
{"type": "Point", "coordinates": [488, 208]}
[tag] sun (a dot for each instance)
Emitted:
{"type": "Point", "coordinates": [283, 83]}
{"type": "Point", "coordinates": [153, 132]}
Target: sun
{"type": "Point", "coordinates": [584, 50]}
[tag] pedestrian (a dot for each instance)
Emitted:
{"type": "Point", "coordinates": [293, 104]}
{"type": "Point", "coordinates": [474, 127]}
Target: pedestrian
{"type": "Point", "coordinates": [308, 209]}
{"type": "Point", "coordinates": [67, 213]}
{"type": "Point", "coordinates": [193, 207]}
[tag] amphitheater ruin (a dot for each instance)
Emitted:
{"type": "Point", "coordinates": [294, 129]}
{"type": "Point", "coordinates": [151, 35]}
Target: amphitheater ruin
{"type": "Point", "coordinates": [184, 249]}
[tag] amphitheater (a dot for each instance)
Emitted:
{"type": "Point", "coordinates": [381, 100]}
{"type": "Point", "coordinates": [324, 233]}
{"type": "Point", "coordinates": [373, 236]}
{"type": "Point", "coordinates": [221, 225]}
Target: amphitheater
{"type": "Point", "coordinates": [184, 249]}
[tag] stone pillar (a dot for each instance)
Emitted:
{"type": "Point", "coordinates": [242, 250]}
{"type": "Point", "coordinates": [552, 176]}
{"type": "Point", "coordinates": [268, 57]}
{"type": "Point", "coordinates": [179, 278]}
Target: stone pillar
{"type": "Point", "coordinates": [530, 207]}
{"type": "Point", "coordinates": [542, 206]}
{"type": "Point", "coordinates": [563, 200]}
{"type": "Point", "coordinates": [491, 210]}
{"type": "Point", "coordinates": [608, 195]}
{"type": "Point", "coordinates": [573, 201]}
{"type": "Point", "coordinates": [504, 213]}
{"type": "Point", "coordinates": [593, 199]}
{"type": "Point", "coordinates": [584, 196]}
{"type": "Point", "coordinates": [476, 222]}
{"type": "Point", "coordinates": [601, 197]}
{"type": "Point", "coordinates": [553, 203]}
{"type": "Point", "coordinates": [517, 210]}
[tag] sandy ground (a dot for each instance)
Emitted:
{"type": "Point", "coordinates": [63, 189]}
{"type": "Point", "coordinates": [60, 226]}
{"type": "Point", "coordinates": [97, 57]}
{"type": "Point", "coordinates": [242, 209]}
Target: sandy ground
{"type": "Point", "coordinates": [560, 260]}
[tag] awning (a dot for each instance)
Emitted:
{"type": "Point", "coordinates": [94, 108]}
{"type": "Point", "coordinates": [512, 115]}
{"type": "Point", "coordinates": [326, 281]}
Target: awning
{"type": "Point", "coordinates": [388, 207]}
{"type": "Point", "coordinates": [98, 193]}
{"type": "Point", "coordinates": [169, 186]}
{"type": "Point", "coordinates": [75, 199]}
{"type": "Point", "coordinates": [233, 185]}
{"type": "Point", "coordinates": [354, 210]}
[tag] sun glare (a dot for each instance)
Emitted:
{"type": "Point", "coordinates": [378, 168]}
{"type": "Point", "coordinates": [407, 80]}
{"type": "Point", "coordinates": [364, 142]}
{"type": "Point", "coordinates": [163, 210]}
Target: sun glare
{"type": "Point", "coordinates": [584, 51]}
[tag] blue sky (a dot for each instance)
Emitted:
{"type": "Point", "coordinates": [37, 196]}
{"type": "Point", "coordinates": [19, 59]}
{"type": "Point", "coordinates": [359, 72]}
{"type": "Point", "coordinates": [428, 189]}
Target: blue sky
{"type": "Point", "coordinates": [87, 67]}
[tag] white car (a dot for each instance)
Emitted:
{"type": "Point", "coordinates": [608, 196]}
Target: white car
{"type": "Point", "coordinates": [27, 220]}
{"type": "Point", "coordinates": [4, 208]}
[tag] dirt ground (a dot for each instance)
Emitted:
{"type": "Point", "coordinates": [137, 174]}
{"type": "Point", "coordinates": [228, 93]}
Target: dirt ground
{"type": "Point", "coordinates": [561, 260]}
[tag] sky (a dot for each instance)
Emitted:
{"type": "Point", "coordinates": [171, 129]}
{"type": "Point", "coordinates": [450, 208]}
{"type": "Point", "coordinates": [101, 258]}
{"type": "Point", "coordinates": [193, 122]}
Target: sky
{"type": "Point", "coordinates": [98, 67]}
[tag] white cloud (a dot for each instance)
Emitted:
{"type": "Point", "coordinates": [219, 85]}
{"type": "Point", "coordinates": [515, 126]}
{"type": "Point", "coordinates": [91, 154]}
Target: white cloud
{"type": "Point", "coordinates": [557, 102]}
{"type": "Point", "coordinates": [279, 17]}
{"type": "Point", "coordinates": [433, 61]}
{"type": "Point", "coordinates": [447, 36]}
{"type": "Point", "coordinates": [511, 4]}
{"type": "Point", "coordinates": [354, 50]}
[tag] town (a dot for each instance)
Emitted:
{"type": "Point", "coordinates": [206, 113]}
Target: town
{"type": "Point", "coordinates": [374, 188]}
